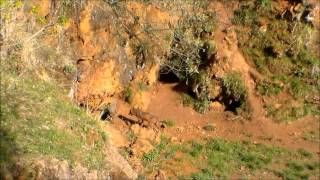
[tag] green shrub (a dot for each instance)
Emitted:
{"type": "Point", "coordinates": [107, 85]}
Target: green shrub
{"type": "Point", "coordinates": [187, 100]}
{"type": "Point", "coordinates": [62, 20]}
{"type": "Point", "coordinates": [69, 69]}
{"type": "Point", "coordinates": [142, 86]}
{"type": "Point", "coordinates": [200, 105]}
{"type": "Point", "coordinates": [141, 51]}
{"type": "Point", "coordinates": [168, 123]}
{"type": "Point", "coordinates": [196, 149]}
{"type": "Point", "coordinates": [264, 3]}
{"type": "Point", "coordinates": [245, 16]}
{"type": "Point", "coordinates": [287, 112]}
{"type": "Point", "coordinates": [128, 95]}
{"type": "Point", "coordinates": [202, 175]}
{"type": "Point", "coordinates": [294, 170]}
{"type": "Point", "coordinates": [235, 88]}
{"type": "Point", "coordinates": [298, 88]}
{"type": "Point", "coordinates": [150, 156]}
{"type": "Point", "coordinates": [269, 88]}
{"type": "Point", "coordinates": [190, 52]}
{"type": "Point", "coordinates": [209, 127]}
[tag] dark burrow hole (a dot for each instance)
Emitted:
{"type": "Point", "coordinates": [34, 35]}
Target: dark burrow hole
{"type": "Point", "coordinates": [105, 115]}
{"type": "Point", "coordinates": [270, 51]}
{"type": "Point", "coordinates": [232, 105]}
{"type": "Point", "coordinates": [229, 103]}
{"type": "Point", "coordinates": [167, 76]}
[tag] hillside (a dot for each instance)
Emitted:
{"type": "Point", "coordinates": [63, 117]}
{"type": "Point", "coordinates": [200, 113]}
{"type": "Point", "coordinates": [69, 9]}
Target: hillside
{"type": "Point", "coordinates": [171, 89]}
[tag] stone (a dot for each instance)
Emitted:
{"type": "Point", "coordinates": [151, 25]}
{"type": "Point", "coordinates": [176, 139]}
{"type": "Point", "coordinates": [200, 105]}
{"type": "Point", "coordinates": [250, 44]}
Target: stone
{"type": "Point", "coordinates": [141, 147]}
{"type": "Point", "coordinates": [160, 175]}
{"type": "Point", "coordinates": [217, 106]}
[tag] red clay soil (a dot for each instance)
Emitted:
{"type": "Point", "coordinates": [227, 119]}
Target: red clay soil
{"type": "Point", "coordinates": [166, 103]}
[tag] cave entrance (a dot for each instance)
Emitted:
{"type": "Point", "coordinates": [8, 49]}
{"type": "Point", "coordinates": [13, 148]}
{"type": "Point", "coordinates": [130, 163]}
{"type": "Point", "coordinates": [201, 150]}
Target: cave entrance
{"type": "Point", "coordinates": [232, 105]}
{"type": "Point", "coordinates": [167, 76]}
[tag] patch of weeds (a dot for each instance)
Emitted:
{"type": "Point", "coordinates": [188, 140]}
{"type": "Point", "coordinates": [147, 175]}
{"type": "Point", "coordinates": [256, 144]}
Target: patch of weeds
{"type": "Point", "coordinates": [266, 137]}
{"type": "Point", "coordinates": [35, 10]}
{"type": "Point", "coordinates": [69, 69]}
{"type": "Point", "coordinates": [209, 127]}
{"type": "Point", "coordinates": [264, 3]}
{"type": "Point", "coordinates": [37, 117]}
{"type": "Point", "coordinates": [104, 136]}
{"type": "Point", "coordinates": [276, 46]}
{"type": "Point", "coordinates": [168, 123]}
{"type": "Point", "coordinates": [196, 149]}
{"type": "Point", "coordinates": [235, 93]}
{"type": "Point", "coordinates": [131, 136]}
{"type": "Point", "coordinates": [203, 174]}
{"type": "Point", "coordinates": [269, 88]}
{"type": "Point", "coordinates": [202, 106]}
{"type": "Point", "coordinates": [315, 165]}
{"type": "Point", "coordinates": [218, 159]}
{"type": "Point", "coordinates": [128, 96]}
{"type": "Point", "coordinates": [141, 51]}
{"type": "Point", "coordinates": [199, 105]}
{"type": "Point", "coordinates": [288, 112]}
{"type": "Point", "coordinates": [125, 152]}
{"type": "Point", "coordinates": [150, 156]}
{"type": "Point", "coordinates": [306, 58]}
{"type": "Point", "coordinates": [297, 170]}
{"type": "Point", "coordinates": [142, 86]}
{"type": "Point", "coordinates": [187, 100]}
{"type": "Point", "coordinates": [254, 160]}
{"type": "Point", "coordinates": [246, 15]}
{"type": "Point", "coordinates": [162, 151]}
{"type": "Point", "coordinates": [312, 136]}
{"type": "Point", "coordinates": [42, 20]}
{"type": "Point", "coordinates": [63, 19]}
{"type": "Point", "coordinates": [305, 153]}
{"type": "Point", "coordinates": [224, 157]}
{"type": "Point", "coordinates": [298, 88]}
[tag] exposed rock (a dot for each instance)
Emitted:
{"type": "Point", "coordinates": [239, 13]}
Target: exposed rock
{"type": "Point", "coordinates": [217, 106]}
{"type": "Point", "coordinates": [119, 164]}
{"type": "Point", "coordinates": [102, 84]}
{"type": "Point", "coordinates": [113, 63]}
{"type": "Point", "coordinates": [140, 147]}
{"type": "Point", "coordinates": [116, 137]}
{"type": "Point", "coordinates": [145, 133]}
{"type": "Point", "coordinates": [160, 175]}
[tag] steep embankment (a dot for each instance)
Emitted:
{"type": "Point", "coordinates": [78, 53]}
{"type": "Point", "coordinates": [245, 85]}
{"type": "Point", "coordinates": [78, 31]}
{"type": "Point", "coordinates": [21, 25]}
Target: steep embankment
{"type": "Point", "coordinates": [43, 133]}
{"type": "Point", "coordinates": [182, 89]}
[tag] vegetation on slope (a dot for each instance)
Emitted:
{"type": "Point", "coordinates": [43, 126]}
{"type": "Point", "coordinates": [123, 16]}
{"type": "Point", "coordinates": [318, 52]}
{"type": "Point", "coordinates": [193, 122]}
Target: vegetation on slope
{"type": "Point", "coordinates": [37, 120]}
{"type": "Point", "coordinates": [217, 158]}
{"type": "Point", "coordinates": [282, 50]}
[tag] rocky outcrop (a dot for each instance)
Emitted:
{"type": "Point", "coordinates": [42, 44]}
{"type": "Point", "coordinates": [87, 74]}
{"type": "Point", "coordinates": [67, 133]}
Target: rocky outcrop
{"type": "Point", "coordinates": [118, 47]}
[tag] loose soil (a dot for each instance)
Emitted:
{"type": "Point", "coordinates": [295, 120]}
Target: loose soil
{"type": "Point", "coordinates": [166, 104]}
